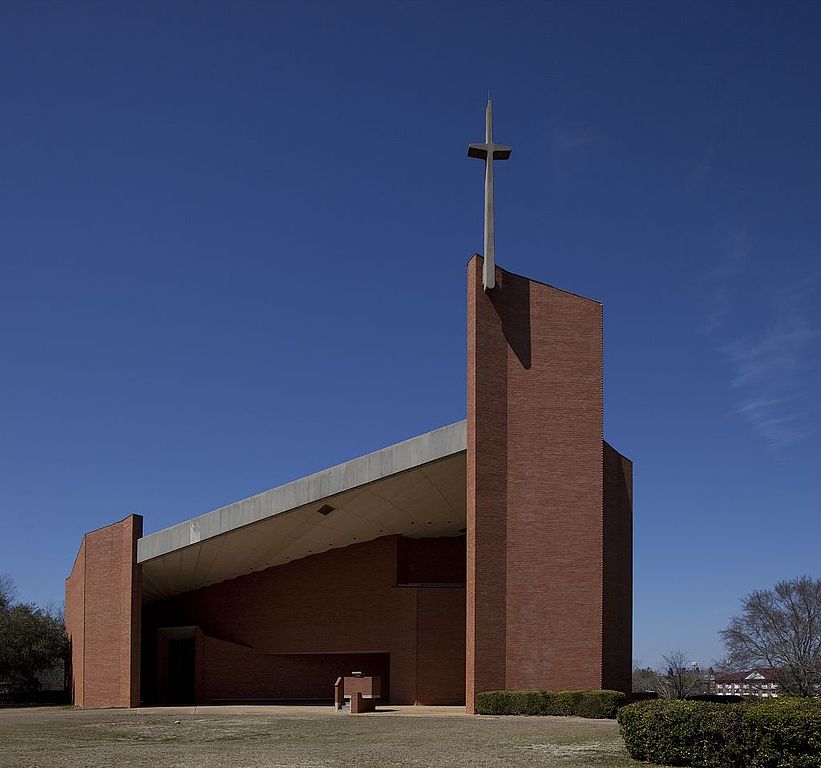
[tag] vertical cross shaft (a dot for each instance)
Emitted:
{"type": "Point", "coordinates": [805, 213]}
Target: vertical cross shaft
{"type": "Point", "coordinates": [489, 273]}
{"type": "Point", "coordinates": [489, 152]}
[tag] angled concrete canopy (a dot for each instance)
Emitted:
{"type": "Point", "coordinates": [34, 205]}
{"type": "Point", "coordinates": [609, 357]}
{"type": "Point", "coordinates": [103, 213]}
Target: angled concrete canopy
{"type": "Point", "coordinates": [415, 488]}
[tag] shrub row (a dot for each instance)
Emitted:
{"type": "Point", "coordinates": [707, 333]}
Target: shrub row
{"type": "Point", "coordinates": [769, 733]}
{"type": "Point", "coordinates": [596, 704]}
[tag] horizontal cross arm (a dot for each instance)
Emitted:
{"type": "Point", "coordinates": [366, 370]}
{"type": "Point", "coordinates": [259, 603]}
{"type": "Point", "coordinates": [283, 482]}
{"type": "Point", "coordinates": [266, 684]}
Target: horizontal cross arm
{"type": "Point", "coordinates": [500, 151]}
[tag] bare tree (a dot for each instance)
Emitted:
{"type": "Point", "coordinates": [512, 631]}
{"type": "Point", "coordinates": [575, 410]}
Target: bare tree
{"type": "Point", "coordinates": [780, 628]}
{"type": "Point", "coordinates": [680, 679]}
{"type": "Point", "coordinates": [7, 592]}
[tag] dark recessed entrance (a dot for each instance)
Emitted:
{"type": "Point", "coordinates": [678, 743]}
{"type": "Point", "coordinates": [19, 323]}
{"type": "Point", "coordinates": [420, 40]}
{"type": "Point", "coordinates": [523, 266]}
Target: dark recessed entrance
{"type": "Point", "coordinates": [176, 666]}
{"type": "Point", "coordinates": [181, 660]}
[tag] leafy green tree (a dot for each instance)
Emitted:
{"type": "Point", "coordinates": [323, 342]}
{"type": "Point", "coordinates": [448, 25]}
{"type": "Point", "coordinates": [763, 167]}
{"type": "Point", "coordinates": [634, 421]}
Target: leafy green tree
{"type": "Point", "coordinates": [32, 640]}
{"type": "Point", "coordinates": [645, 680]}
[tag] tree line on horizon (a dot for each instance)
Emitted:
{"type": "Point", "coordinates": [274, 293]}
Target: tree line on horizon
{"type": "Point", "coordinates": [778, 629]}
{"type": "Point", "coordinates": [33, 641]}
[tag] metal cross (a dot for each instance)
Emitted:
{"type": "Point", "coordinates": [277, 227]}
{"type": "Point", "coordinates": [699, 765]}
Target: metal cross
{"type": "Point", "coordinates": [489, 152]}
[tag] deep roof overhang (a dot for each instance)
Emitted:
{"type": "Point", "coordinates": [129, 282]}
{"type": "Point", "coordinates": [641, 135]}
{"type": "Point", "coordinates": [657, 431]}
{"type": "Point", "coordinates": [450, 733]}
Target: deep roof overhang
{"type": "Point", "coordinates": [415, 488]}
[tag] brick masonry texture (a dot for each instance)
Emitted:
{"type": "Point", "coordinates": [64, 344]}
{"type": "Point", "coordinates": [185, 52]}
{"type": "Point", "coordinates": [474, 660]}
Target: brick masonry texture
{"type": "Point", "coordinates": [103, 617]}
{"type": "Point", "coordinates": [289, 631]}
{"type": "Point", "coordinates": [535, 495]}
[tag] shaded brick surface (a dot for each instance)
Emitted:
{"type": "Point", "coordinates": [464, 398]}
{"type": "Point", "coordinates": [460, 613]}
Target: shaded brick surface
{"type": "Point", "coordinates": [75, 623]}
{"type": "Point", "coordinates": [438, 560]}
{"type": "Point", "coordinates": [617, 629]}
{"type": "Point", "coordinates": [230, 671]}
{"type": "Point", "coordinates": [260, 628]}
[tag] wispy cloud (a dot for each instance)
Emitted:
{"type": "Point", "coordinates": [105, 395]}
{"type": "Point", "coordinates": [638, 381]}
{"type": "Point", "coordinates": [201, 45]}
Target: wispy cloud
{"type": "Point", "coordinates": [772, 346]}
{"type": "Point", "coordinates": [731, 264]}
{"type": "Point", "coordinates": [573, 138]}
{"type": "Point", "coordinates": [570, 145]}
{"type": "Point", "coordinates": [701, 168]}
{"type": "Point", "coordinates": [768, 373]}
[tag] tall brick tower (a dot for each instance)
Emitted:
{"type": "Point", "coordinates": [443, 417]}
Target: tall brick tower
{"type": "Point", "coordinates": [549, 510]}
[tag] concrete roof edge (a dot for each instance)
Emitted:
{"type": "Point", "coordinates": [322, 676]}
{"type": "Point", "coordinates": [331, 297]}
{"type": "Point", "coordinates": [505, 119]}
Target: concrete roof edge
{"type": "Point", "coordinates": [414, 452]}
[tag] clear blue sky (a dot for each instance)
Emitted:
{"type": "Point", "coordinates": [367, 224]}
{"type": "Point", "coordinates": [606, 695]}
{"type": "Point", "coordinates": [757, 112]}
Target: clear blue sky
{"type": "Point", "coordinates": [233, 239]}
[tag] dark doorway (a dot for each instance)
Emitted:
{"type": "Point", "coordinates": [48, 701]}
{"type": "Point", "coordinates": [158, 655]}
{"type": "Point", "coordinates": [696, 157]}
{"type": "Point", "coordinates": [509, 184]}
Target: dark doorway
{"type": "Point", "coordinates": [181, 674]}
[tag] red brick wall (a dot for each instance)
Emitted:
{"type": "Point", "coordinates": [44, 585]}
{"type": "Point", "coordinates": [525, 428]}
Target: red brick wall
{"type": "Point", "coordinates": [617, 630]}
{"type": "Point", "coordinates": [342, 601]}
{"type": "Point", "coordinates": [103, 617]}
{"type": "Point", "coordinates": [534, 491]}
{"type": "Point", "coordinates": [441, 646]}
{"type": "Point", "coordinates": [486, 461]}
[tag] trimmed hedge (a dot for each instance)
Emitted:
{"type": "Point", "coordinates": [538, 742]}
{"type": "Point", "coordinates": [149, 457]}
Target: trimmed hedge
{"type": "Point", "coordinates": [763, 733]}
{"type": "Point", "coordinates": [597, 704]}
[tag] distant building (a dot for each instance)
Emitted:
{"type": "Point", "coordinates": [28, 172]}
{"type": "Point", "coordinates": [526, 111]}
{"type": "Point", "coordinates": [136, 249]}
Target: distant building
{"type": "Point", "coordinates": [759, 682]}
